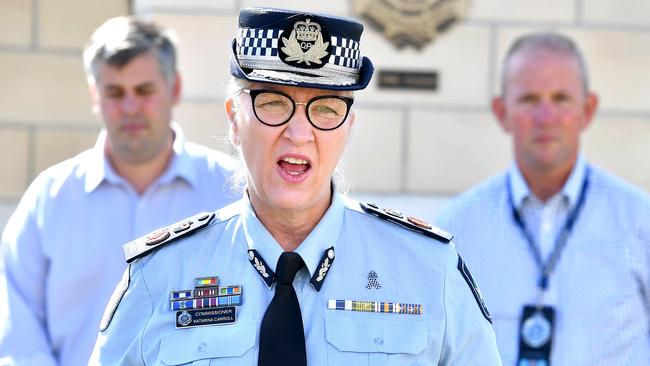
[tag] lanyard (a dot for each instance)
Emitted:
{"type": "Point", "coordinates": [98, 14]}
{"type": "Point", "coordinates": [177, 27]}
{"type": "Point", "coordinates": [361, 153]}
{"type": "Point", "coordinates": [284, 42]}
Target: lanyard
{"type": "Point", "coordinates": [546, 269]}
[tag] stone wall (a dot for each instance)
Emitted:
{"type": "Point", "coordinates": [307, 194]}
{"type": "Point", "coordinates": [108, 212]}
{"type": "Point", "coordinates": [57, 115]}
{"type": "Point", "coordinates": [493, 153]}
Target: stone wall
{"type": "Point", "coordinates": [409, 146]}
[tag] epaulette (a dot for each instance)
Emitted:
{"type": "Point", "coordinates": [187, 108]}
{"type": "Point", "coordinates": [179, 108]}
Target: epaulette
{"type": "Point", "coordinates": [409, 222]}
{"type": "Point", "coordinates": [157, 239]}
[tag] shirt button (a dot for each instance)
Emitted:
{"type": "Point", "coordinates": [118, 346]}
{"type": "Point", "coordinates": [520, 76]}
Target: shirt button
{"type": "Point", "coordinates": [202, 347]}
{"type": "Point", "coordinates": [379, 341]}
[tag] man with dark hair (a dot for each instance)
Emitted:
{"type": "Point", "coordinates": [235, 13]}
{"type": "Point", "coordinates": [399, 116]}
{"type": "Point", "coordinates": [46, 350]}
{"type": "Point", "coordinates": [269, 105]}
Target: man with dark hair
{"type": "Point", "coordinates": [61, 249]}
{"type": "Point", "coordinates": [560, 248]}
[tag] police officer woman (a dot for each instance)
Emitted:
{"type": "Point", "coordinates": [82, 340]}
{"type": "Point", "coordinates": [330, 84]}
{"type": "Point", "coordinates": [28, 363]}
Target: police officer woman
{"type": "Point", "coordinates": [295, 273]}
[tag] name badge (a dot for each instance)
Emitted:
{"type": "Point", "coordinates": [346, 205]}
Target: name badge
{"type": "Point", "coordinates": [201, 317]}
{"type": "Point", "coordinates": [206, 304]}
{"type": "Point", "coordinates": [536, 335]}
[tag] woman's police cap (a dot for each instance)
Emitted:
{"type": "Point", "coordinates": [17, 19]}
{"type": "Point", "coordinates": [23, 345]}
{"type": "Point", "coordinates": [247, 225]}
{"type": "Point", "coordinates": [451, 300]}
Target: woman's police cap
{"type": "Point", "coordinates": [303, 49]}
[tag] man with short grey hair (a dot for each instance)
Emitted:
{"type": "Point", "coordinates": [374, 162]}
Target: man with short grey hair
{"type": "Point", "coordinates": [61, 253]}
{"type": "Point", "coordinates": [560, 248]}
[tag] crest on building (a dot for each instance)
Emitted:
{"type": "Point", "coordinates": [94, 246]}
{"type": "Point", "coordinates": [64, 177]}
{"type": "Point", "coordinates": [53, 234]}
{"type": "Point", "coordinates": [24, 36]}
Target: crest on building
{"type": "Point", "coordinates": [305, 44]}
{"type": "Point", "coordinates": [412, 22]}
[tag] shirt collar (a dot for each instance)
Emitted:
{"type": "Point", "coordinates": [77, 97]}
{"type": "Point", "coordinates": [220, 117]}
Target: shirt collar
{"type": "Point", "coordinates": [181, 165]}
{"type": "Point", "coordinates": [322, 237]}
{"type": "Point", "coordinates": [571, 189]}
{"type": "Point", "coordinates": [98, 167]}
{"type": "Point", "coordinates": [574, 184]}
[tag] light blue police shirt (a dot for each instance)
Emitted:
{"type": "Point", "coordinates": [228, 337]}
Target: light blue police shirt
{"type": "Point", "coordinates": [61, 249]}
{"type": "Point", "coordinates": [601, 287]}
{"type": "Point", "coordinates": [408, 268]}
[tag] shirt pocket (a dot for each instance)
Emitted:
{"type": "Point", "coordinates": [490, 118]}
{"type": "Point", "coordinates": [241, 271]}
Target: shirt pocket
{"type": "Point", "coordinates": [218, 345]}
{"type": "Point", "coordinates": [375, 341]}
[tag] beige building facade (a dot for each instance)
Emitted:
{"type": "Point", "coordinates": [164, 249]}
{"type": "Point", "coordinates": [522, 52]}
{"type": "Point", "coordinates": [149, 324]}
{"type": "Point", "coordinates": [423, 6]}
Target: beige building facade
{"type": "Point", "coordinates": [410, 149]}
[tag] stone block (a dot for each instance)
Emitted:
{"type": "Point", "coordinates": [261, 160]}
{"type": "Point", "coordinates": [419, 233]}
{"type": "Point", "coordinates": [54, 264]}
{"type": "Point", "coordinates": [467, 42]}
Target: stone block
{"type": "Point", "coordinates": [53, 147]}
{"type": "Point", "coordinates": [336, 7]}
{"type": "Point", "coordinates": [617, 12]}
{"type": "Point", "coordinates": [515, 10]}
{"type": "Point", "coordinates": [449, 152]}
{"type": "Point", "coordinates": [205, 124]}
{"type": "Point", "coordinates": [203, 52]}
{"type": "Point", "coordinates": [618, 66]}
{"type": "Point", "coordinates": [373, 160]}
{"type": "Point", "coordinates": [620, 145]}
{"type": "Point", "coordinates": [48, 89]}
{"type": "Point", "coordinates": [16, 23]}
{"type": "Point", "coordinates": [145, 6]}
{"type": "Point", "coordinates": [459, 57]}
{"type": "Point", "coordinates": [14, 158]}
{"type": "Point", "coordinates": [70, 23]}
{"type": "Point", "coordinates": [6, 209]}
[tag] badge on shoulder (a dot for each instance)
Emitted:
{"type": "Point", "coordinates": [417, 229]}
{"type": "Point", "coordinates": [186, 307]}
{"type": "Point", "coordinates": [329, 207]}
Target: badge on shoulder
{"type": "Point", "coordinates": [142, 246]}
{"type": "Point", "coordinates": [536, 335]}
{"type": "Point", "coordinates": [115, 299]}
{"type": "Point", "coordinates": [464, 271]}
{"type": "Point", "coordinates": [408, 222]}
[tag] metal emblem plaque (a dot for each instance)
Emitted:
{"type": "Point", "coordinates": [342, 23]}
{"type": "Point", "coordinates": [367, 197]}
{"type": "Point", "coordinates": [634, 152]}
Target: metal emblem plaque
{"type": "Point", "coordinates": [412, 22]}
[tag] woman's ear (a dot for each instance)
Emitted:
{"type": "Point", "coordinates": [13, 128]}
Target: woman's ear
{"type": "Point", "coordinates": [231, 113]}
{"type": "Point", "coordinates": [352, 117]}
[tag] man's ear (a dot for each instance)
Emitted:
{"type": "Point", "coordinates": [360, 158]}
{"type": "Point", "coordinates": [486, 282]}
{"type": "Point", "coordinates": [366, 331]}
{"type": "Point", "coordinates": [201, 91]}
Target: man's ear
{"type": "Point", "coordinates": [499, 110]}
{"type": "Point", "coordinates": [177, 87]}
{"type": "Point", "coordinates": [94, 97]}
{"type": "Point", "coordinates": [590, 108]}
{"type": "Point", "coordinates": [229, 105]}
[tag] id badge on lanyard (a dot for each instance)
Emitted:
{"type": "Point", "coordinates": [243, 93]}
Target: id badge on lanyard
{"type": "Point", "coordinates": [537, 322]}
{"type": "Point", "coordinates": [536, 335]}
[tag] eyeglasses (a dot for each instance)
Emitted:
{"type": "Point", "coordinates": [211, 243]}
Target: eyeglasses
{"type": "Point", "coordinates": [275, 108]}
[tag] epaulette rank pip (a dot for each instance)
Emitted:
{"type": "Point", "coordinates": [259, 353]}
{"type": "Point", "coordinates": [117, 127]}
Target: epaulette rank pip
{"type": "Point", "coordinates": [161, 237]}
{"type": "Point", "coordinates": [409, 222]}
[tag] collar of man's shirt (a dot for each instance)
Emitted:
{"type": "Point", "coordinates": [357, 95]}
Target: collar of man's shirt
{"type": "Point", "coordinates": [98, 168]}
{"type": "Point", "coordinates": [571, 189]}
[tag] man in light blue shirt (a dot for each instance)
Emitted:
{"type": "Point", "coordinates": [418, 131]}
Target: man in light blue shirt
{"type": "Point", "coordinates": [560, 248]}
{"type": "Point", "coordinates": [61, 249]}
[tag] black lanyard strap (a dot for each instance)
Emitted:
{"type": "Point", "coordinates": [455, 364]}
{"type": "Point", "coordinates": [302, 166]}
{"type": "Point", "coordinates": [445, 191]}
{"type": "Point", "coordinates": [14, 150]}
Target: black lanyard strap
{"type": "Point", "coordinates": [546, 269]}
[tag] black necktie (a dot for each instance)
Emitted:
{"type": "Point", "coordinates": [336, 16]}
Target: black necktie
{"type": "Point", "coordinates": [282, 337]}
